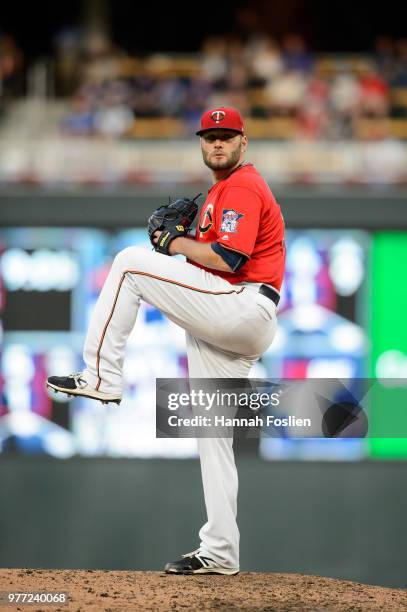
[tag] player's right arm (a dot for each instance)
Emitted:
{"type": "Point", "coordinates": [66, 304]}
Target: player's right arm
{"type": "Point", "coordinates": [200, 252]}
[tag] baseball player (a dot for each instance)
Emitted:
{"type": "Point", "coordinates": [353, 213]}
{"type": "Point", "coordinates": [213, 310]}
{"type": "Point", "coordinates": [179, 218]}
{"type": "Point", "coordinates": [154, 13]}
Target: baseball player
{"type": "Point", "coordinates": [225, 297]}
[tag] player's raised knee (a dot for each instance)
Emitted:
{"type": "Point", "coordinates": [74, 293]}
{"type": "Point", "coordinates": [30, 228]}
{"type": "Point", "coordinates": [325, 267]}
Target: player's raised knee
{"type": "Point", "coordinates": [130, 255]}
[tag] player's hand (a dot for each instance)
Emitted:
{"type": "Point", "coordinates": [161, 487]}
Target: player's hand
{"type": "Point", "coordinates": [156, 236]}
{"type": "Point", "coordinates": [171, 249]}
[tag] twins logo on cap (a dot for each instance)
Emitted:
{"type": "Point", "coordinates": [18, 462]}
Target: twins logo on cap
{"type": "Point", "coordinates": [222, 118]}
{"type": "Point", "coordinates": [218, 116]}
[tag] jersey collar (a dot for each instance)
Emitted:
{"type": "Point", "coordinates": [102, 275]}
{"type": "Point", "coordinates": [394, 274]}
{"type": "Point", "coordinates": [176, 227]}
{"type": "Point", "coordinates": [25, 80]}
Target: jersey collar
{"type": "Point", "coordinates": [239, 167]}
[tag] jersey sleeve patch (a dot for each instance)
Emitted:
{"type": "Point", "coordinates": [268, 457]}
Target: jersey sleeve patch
{"type": "Point", "coordinates": [230, 220]}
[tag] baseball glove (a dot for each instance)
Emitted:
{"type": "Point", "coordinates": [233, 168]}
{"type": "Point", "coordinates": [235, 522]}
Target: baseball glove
{"type": "Point", "coordinates": [173, 220]}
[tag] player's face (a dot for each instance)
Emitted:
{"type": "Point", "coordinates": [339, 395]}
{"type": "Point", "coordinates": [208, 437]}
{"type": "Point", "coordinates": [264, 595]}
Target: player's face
{"type": "Point", "coordinates": [222, 149]}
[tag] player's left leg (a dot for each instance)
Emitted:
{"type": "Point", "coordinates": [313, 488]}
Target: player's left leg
{"type": "Point", "coordinates": [219, 547]}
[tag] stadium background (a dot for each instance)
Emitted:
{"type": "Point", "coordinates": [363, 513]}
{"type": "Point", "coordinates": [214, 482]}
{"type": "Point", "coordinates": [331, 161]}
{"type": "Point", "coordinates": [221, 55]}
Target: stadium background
{"type": "Point", "coordinates": [98, 108]}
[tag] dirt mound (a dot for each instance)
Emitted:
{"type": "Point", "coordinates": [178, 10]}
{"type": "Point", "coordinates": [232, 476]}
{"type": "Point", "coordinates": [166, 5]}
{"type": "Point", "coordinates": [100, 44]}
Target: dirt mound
{"type": "Point", "coordinates": [97, 590]}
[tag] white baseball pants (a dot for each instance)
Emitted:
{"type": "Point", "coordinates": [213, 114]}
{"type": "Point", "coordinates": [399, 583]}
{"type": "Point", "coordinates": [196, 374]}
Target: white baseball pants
{"type": "Point", "coordinates": [228, 328]}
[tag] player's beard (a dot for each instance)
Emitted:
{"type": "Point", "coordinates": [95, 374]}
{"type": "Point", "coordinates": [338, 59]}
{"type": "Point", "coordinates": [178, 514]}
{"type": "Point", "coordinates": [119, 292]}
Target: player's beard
{"type": "Point", "coordinates": [223, 164]}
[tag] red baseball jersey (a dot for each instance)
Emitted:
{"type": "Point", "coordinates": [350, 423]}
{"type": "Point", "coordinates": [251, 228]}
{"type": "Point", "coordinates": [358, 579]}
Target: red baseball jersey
{"type": "Point", "coordinates": [241, 214]}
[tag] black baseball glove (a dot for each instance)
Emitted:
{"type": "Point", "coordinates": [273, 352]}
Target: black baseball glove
{"type": "Point", "coordinates": [173, 220]}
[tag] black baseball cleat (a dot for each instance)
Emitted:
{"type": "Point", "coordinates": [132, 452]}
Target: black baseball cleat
{"type": "Point", "coordinates": [76, 385]}
{"type": "Point", "coordinates": [194, 563]}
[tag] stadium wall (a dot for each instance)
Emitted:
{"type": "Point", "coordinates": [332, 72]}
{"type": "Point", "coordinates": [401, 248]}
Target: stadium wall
{"type": "Point", "coordinates": [325, 206]}
{"type": "Point", "coordinates": [341, 520]}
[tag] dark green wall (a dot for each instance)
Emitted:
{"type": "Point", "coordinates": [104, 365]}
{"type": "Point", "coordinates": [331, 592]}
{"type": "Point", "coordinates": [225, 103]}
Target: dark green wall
{"type": "Point", "coordinates": [325, 206]}
{"type": "Point", "coordinates": [345, 520]}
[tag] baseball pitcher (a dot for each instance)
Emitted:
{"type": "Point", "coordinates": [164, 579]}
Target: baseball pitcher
{"type": "Point", "coordinates": [225, 297]}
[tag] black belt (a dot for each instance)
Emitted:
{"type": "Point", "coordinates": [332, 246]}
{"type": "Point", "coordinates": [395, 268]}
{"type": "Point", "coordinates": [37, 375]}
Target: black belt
{"type": "Point", "coordinates": [270, 293]}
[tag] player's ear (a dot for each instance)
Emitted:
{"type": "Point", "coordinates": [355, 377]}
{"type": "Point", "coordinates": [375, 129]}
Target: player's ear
{"type": "Point", "coordinates": [244, 142]}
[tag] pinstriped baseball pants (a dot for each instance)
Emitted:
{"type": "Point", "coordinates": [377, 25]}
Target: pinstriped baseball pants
{"type": "Point", "coordinates": [227, 328]}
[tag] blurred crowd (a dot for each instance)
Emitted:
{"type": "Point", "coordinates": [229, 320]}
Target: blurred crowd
{"type": "Point", "coordinates": [11, 66]}
{"type": "Point", "coordinates": [322, 96]}
{"type": "Point", "coordinates": [110, 93]}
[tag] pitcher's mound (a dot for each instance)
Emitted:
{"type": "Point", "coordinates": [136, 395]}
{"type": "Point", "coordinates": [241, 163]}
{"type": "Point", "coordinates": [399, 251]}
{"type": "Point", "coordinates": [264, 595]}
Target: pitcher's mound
{"type": "Point", "coordinates": [96, 590]}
